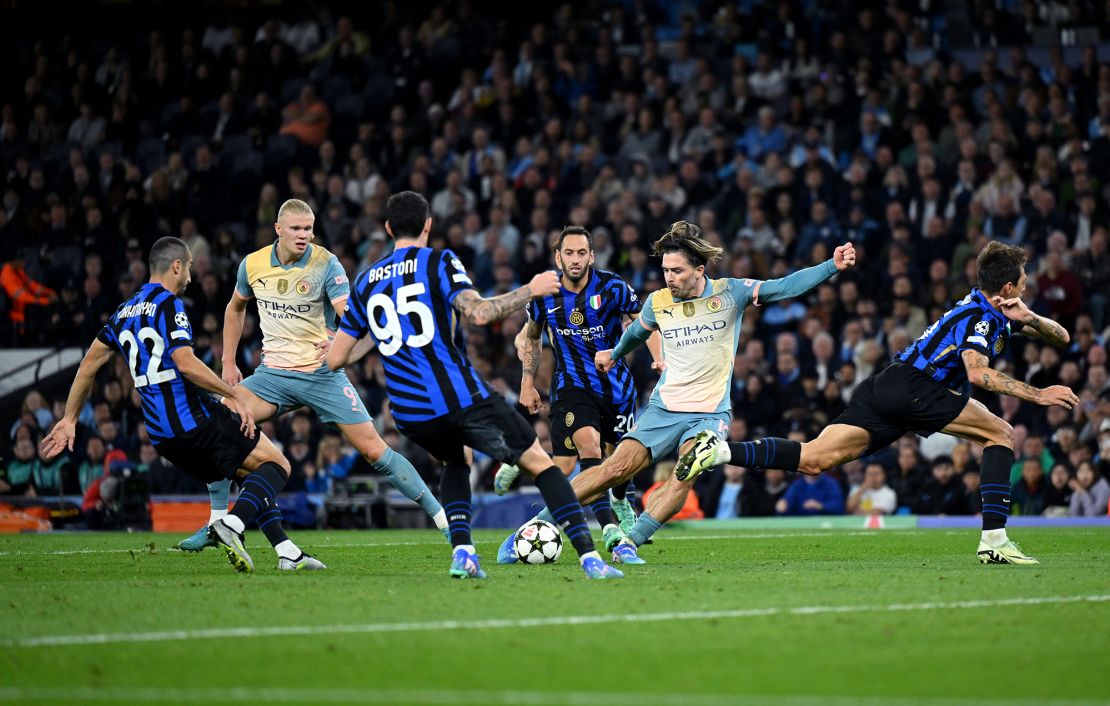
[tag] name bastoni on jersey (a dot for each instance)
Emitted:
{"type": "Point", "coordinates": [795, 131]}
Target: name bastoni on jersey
{"type": "Point", "coordinates": [395, 269]}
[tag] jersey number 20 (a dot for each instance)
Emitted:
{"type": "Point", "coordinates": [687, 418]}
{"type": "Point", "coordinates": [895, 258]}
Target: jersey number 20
{"type": "Point", "coordinates": [153, 374]}
{"type": "Point", "coordinates": [389, 336]}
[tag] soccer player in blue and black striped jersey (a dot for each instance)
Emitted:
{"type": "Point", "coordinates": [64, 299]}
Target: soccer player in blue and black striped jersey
{"type": "Point", "coordinates": [187, 427]}
{"type": "Point", "coordinates": [588, 408]}
{"type": "Point", "coordinates": [922, 392]}
{"type": "Point", "coordinates": [410, 303]}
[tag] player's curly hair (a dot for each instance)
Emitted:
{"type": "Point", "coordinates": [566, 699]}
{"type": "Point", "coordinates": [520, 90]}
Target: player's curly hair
{"type": "Point", "coordinates": [685, 237]}
{"type": "Point", "coordinates": [998, 264]}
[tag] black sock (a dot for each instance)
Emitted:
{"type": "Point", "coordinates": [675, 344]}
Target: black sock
{"type": "Point", "coordinates": [994, 486]}
{"type": "Point", "coordinates": [454, 491]}
{"type": "Point", "coordinates": [259, 492]}
{"type": "Point", "coordinates": [270, 524]}
{"type": "Point", "coordinates": [601, 507]}
{"type": "Point", "coordinates": [769, 452]}
{"type": "Point", "coordinates": [565, 508]}
{"type": "Point", "coordinates": [620, 492]}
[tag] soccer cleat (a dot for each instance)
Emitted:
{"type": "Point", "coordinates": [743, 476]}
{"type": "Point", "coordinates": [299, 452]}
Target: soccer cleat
{"type": "Point", "coordinates": [464, 565]}
{"type": "Point", "coordinates": [302, 563]}
{"type": "Point", "coordinates": [504, 479]}
{"type": "Point", "coordinates": [232, 543]}
{"type": "Point", "coordinates": [597, 569]}
{"type": "Point", "coordinates": [707, 452]}
{"type": "Point", "coordinates": [506, 553]}
{"type": "Point", "coordinates": [612, 536]}
{"type": "Point", "coordinates": [197, 541]}
{"type": "Point", "coordinates": [625, 553]}
{"type": "Point", "coordinates": [1007, 553]}
{"type": "Point", "coordinates": [625, 514]}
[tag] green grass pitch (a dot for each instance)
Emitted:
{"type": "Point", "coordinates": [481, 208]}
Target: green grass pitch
{"type": "Point", "coordinates": [716, 617]}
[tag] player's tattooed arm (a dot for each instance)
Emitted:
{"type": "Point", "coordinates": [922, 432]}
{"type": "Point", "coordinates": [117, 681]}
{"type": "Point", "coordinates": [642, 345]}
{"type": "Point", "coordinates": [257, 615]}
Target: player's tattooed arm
{"type": "Point", "coordinates": [529, 348]}
{"type": "Point", "coordinates": [1033, 325]}
{"type": "Point", "coordinates": [982, 375]}
{"type": "Point", "coordinates": [480, 311]}
{"type": "Point", "coordinates": [1046, 330]}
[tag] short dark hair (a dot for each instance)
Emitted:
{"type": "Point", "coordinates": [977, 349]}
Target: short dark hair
{"type": "Point", "coordinates": [165, 251]}
{"type": "Point", "coordinates": [575, 230]}
{"type": "Point", "coordinates": [406, 213]}
{"type": "Point", "coordinates": [999, 264]}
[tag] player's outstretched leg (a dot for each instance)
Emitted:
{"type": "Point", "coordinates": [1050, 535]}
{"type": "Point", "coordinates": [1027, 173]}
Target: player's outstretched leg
{"type": "Point", "coordinates": [218, 492]}
{"type": "Point", "coordinates": [710, 451]}
{"type": "Point", "coordinates": [397, 468]}
{"type": "Point", "coordinates": [454, 488]}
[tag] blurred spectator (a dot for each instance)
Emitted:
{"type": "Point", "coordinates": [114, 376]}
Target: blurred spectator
{"type": "Point", "coordinates": [1029, 494]}
{"type": "Point", "coordinates": [812, 495]}
{"type": "Point", "coordinates": [1090, 493]}
{"type": "Point", "coordinates": [873, 496]}
{"type": "Point", "coordinates": [306, 118]}
{"type": "Point", "coordinates": [735, 492]}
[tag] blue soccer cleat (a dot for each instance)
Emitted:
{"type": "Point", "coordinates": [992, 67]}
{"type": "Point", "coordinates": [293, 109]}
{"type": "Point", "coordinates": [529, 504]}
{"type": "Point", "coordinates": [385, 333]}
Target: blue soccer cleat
{"type": "Point", "coordinates": [506, 553]}
{"type": "Point", "coordinates": [464, 565]}
{"type": "Point", "coordinates": [625, 553]}
{"type": "Point", "coordinates": [197, 542]}
{"type": "Point", "coordinates": [504, 478]}
{"type": "Point", "coordinates": [597, 569]}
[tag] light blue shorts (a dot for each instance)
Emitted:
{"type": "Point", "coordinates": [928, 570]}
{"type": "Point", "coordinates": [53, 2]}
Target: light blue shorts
{"type": "Point", "coordinates": [330, 394]}
{"type": "Point", "coordinates": [662, 431]}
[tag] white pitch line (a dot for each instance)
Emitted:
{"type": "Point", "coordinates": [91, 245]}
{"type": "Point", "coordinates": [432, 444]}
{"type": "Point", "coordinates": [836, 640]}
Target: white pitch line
{"type": "Point", "coordinates": [507, 698]}
{"type": "Point", "coordinates": [501, 623]}
{"type": "Point", "coordinates": [348, 545]}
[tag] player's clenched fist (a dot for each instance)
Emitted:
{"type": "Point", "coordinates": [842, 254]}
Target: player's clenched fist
{"type": "Point", "coordinates": [844, 257]}
{"type": "Point", "coordinates": [544, 284]}
{"type": "Point", "coordinates": [603, 360]}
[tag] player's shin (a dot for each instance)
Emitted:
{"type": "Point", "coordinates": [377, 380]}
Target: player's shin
{"type": "Point", "coordinates": [565, 509]}
{"type": "Point", "coordinates": [259, 494]}
{"type": "Point", "coordinates": [454, 488]}
{"type": "Point", "coordinates": [218, 492]}
{"type": "Point", "coordinates": [994, 489]}
{"type": "Point", "coordinates": [405, 479]}
{"type": "Point", "coordinates": [602, 508]}
{"type": "Point", "coordinates": [769, 452]}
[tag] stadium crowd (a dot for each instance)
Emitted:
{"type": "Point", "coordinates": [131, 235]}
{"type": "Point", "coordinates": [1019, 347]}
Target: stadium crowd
{"type": "Point", "coordinates": [780, 133]}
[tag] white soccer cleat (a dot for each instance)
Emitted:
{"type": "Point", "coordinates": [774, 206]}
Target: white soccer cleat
{"type": "Point", "coordinates": [708, 451]}
{"type": "Point", "coordinates": [231, 541]}
{"type": "Point", "coordinates": [506, 476]}
{"type": "Point", "coordinates": [1006, 553]}
{"type": "Point", "coordinates": [302, 563]}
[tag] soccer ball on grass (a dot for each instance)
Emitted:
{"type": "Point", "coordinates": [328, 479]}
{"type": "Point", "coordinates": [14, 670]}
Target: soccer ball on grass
{"type": "Point", "coordinates": [538, 542]}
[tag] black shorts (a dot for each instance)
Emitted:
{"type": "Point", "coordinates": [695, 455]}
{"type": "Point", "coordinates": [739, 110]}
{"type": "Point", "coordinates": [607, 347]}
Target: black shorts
{"type": "Point", "coordinates": [577, 408]}
{"type": "Point", "coordinates": [900, 399]}
{"type": "Point", "coordinates": [213, 451]}
{"type": "Point", "coordinates": [490, 426]}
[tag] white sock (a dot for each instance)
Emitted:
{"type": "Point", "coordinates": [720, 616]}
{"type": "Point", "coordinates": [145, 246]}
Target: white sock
{"type": "Point", "coordinates": [287, 549]}
{"type": "Point", "coordinates": [468, 547]}
{"type": "Point", "coordinates": [589, 555]}
{"type": "Point", "coordinates": [234, 523]}
{"type": "Point", "coordinates": [215, 514]}
{"type": "Point", "coordinates": [440, 518]}
{"type": "Point", "coordinates": [995, 537]}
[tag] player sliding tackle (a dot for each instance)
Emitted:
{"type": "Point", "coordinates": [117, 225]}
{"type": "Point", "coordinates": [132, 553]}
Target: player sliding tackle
{"type": "Point", "coordinates": [699, 320]}
{"type": "Point", "coordinates": [409, 303]}
{"type": "Point", "coordinates": [301, 290]}
{"type": "Point", "coordinates": [922, 392]}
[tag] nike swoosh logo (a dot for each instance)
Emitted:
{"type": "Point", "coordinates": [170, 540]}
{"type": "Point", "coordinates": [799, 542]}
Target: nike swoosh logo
{"type": "Point", "coordinates": [552, 311]}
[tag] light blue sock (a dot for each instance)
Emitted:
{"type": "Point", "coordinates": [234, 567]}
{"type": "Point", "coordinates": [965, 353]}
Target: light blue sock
{"type": "Point", "coordinates": [645, 526]}
{"type": "Point", "coordinates": [218, 492]}
{"type": "Point", "coordinates": [545, 515]}
{"type": "Point", "coordinates": [405, 479]}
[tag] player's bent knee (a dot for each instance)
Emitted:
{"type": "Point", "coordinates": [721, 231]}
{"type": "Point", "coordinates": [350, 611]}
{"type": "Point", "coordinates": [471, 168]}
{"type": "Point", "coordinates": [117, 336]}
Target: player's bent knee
{"type": "Point", "coordinates": [1004, 434]}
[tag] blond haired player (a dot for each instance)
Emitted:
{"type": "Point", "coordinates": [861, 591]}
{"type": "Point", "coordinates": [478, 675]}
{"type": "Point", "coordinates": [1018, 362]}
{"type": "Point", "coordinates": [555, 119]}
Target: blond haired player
{"type": "Point", "coordinates": [301, 291]}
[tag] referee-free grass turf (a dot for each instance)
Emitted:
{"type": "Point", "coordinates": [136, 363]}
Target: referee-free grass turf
{"type": "Point", "coordinates": [805, 617]}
